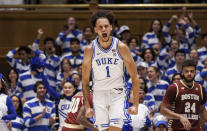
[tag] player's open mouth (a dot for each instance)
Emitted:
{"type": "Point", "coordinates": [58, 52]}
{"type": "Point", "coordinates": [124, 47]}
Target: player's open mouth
{"type": "Point", "coordinates": [104, 35]}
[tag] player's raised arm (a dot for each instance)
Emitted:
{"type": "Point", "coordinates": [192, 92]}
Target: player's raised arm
{"type": "Point", "coordinates": [131, 68]}
{"type": "Point", "coordinates": [86, 69]}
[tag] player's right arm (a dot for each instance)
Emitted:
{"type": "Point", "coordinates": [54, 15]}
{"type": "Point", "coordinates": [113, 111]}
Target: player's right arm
{"type": "Point", "coordinates": [86, 70]}
{"type": "Point", "coordinates": [170, 95]}
{"type": "Point", "coordinates": [81, 119]}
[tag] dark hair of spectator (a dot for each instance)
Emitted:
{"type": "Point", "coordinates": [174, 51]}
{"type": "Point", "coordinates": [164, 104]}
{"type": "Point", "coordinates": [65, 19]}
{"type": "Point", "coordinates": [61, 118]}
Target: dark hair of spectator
{"type": "Point", "coordinates": [160, 31]}
{"type": "Point", "coordinates": [130, 39]}
{"type": "Point", "coordinates": [102, 14]}
{"type": "Point", "coordinates": [176, 74]}
{"type": "Point", "coordinates": [145, 85]}
{"type": "Point", "coordinates": [74, 85]}
{"type": "Point", "coordinates": [12, 69]}
{"type": "Point", "coordinates": [156, 69]}
{"type": "Point", "coordinates": [189, 63]}
{"type": "Point", "coordinates": [68, 61]}
{"type": "Point", "coordinates": [4, 88]}
{"type": "Point", "coordinates": [37, 84]}
{"type": "Point", "coordinates": [49, 39]}
{"type": "Point", "coordinates": [86, 27]}
{"type": "Point", "coordinates": [74, 40]}
{"type": "Point", "coordinates": [24, 48]}
{"type": "Point", "coordinates": [152, 52]}
{"type": "Point", "coordinates": [180, 51]}
{"type": "Point", "coordinates": [20, 108]}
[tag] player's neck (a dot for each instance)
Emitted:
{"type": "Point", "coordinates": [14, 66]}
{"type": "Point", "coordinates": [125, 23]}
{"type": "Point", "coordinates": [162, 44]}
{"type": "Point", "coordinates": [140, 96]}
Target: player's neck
{"type": "Point", "coordinates": [105, 44]}
{"type": "Point", "coordinates": [188, 84]}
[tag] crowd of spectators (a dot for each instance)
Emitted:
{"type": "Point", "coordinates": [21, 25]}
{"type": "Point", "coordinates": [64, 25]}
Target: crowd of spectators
{"type": "Point", "coordinates": [158, 57]}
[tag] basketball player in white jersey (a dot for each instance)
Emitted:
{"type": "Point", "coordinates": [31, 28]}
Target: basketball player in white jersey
{"type": "Point", "coordinates": [105, 59]}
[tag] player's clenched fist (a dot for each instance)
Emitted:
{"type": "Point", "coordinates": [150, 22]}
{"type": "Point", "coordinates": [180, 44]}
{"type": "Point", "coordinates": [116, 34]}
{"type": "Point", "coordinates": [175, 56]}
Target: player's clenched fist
{"type": "Point", "coordinates": [133, 110]}
{"type": "Point", "coordinates": [89, 112]}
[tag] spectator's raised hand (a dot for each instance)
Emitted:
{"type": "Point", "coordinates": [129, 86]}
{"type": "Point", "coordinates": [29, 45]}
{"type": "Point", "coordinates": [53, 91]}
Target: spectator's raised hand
{"type": "Point", "coordinates": [40, 32]}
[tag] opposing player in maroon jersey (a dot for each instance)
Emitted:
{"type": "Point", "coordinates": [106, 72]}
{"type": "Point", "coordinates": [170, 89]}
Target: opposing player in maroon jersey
{"type": "Point", "coordinates": [76, 120]}
{"type": "Point", "coordinates": [184, 101]}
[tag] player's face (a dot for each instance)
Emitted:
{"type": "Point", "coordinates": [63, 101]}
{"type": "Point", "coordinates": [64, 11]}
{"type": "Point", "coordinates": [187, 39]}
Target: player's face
{"type": "Point", "coordinates": [41, 91]}
{"type": "Point", "coordinates": [103, 28]}
{"type": "Point", "coordinates": [68, 89]}
{"type": "Point", "coordinates": [189, 73]}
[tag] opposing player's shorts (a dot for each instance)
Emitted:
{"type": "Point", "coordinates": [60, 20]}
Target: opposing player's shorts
{"type": "Point", "coordinates": [109, 108]}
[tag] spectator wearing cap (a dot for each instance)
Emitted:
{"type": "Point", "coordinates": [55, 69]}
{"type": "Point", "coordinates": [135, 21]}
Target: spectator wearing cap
{"type": "Point", "coordinates": [27, 80]}
{"type": "Point", "coordinates": [160, 123]}
{"type": "Point", "coordinates": [64, 100]}
{"type": "Point", "coordinates": [124, 33]}
{"type": "Point", "coordinates": [154, 35]}
{"type": "Point", "coordinates": [142, 69]}
{"type": "Point", "coordinates": [76, 55]}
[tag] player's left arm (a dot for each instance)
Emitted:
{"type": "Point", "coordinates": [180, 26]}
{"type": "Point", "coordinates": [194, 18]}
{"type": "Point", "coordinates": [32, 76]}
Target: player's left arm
{"type": "Point", "coordinates": [131, 68]}
{"type": "Point", "coordinates": [203, 113]}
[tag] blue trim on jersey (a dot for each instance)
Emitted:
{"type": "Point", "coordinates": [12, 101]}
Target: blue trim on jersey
{"type": "Point", "coordinates": [117, 48]}
{"type": "Point", "coordinates": [93, 46]}
{"type": "Point", "coordinates": [128, 117]}
{"type": "Point", "coordinates": [105, 51]}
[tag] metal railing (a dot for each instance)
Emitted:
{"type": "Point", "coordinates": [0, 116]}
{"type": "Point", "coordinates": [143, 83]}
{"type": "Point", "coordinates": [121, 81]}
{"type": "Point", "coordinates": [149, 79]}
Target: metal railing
{"type": "Point", "coordinates": [106, 6]}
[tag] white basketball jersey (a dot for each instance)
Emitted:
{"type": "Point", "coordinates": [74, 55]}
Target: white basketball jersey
{"type": "Point", "coordinates": [107, 66]}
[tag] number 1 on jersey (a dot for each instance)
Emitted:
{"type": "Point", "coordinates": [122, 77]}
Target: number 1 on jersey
{"type": "Point", "coordinates": [107, 71]}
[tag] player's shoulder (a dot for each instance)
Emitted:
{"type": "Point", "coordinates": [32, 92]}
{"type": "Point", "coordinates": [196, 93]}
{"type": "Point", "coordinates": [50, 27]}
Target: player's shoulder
{"type": "Point", "coordinates": [122, 47]}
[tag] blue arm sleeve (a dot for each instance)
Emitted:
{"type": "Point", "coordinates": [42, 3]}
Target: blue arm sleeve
{"type": "Point", "coordinates": [54, 94]}
{"type": "Point", "coordinates": [11, 110]}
